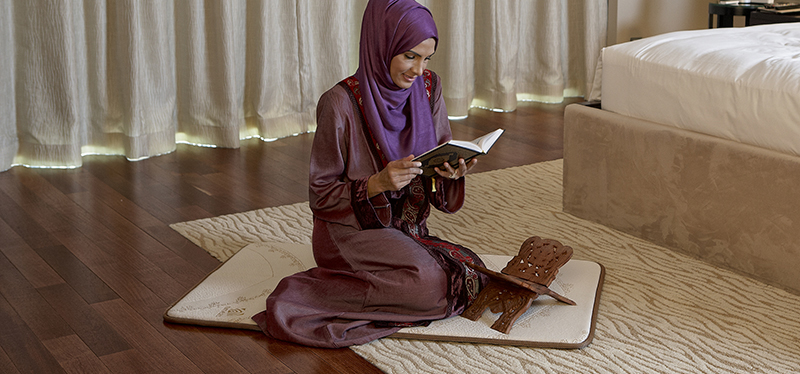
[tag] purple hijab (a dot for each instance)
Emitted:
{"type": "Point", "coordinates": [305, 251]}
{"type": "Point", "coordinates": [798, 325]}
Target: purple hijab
{"type": "Point", "coordinates": [400, 119]}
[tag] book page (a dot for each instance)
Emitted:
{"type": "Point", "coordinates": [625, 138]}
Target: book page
{"type": "Point", "coordinates": [487, 141]}
{"type": "Point", "coordinates": [468, 145]}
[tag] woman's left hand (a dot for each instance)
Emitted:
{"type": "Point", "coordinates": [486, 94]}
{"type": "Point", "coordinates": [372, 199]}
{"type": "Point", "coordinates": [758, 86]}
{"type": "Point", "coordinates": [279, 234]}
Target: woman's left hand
{"type": "Point", "coordinates": [463, 169]}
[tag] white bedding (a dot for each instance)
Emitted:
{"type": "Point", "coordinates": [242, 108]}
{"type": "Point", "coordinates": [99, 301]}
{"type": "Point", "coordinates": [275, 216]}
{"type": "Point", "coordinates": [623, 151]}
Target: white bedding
{"type": "Point", "coordinates": [741, 84]}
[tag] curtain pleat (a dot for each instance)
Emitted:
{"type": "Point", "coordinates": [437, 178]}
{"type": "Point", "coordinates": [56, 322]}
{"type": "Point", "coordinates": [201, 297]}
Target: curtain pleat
{"type": "Point", "coordinates": [517, 50]}
{"type": "Point", "coordinates": [49, 82]}
{"type": "Point", "coordinates": [9, 140]}
{"type": "Point", "coordinates": [134, 78]}
{"type": "Point", "coordinates": [141, 78]}
{"type": "Point", "coordinates": [455, 56]}
{"type": "Point", "coordinates": [210, 46]}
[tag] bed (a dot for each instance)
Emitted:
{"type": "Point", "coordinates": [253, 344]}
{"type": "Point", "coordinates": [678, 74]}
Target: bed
{"type": "Point", "coordinates": [695, 145]}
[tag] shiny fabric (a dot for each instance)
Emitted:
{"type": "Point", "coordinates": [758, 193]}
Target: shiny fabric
{"type": "Point", "coordinates": [376, 270]}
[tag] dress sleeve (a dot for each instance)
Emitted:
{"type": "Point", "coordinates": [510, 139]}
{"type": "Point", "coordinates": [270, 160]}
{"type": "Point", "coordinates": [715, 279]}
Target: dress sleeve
{"type": "Point", "coordinates": [340, 167]}
{"type": "Point", "coordinates": [449, 194]}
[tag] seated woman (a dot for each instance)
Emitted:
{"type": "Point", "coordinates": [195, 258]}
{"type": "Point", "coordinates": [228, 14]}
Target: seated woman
{"type": "Point", "coordinates": [378, 269]}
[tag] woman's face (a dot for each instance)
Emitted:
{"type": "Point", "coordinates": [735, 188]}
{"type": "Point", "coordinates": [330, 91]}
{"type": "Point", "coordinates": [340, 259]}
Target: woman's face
{"type": "Point", "coordinates": [408, 65]}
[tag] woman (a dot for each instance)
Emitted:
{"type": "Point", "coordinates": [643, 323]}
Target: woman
{"type": "Point", "coordinates": [378, 268]}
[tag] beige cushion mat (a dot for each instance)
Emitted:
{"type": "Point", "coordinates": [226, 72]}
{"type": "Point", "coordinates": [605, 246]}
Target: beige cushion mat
{"type": "Point", "coordinates": [238, 288]}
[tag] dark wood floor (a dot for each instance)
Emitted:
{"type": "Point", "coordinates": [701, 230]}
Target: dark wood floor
{"type": "Point", "coordinates": [88, 263]}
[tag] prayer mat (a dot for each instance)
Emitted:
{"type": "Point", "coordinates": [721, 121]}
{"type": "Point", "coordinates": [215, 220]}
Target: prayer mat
{"type": "Point", "coordinates": [660, 311]}
{"type": "Point", "coordinates": [238, 289]}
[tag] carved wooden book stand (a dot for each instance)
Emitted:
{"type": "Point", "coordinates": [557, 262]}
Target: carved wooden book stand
{"type": "Point", "coordinates": [524, 278]}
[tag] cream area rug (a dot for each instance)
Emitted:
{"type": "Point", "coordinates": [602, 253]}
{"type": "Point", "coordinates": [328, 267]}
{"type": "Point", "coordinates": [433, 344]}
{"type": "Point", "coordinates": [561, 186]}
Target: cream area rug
{"type": "Point", "coordinates": [660, 311]}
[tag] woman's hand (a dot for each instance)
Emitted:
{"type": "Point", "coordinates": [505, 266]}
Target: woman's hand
{"type": "Point", "coordinates": [396, 175]}
{"type": "Point", "coordinates": [463, 169]}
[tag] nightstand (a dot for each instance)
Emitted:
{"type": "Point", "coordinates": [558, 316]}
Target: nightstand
{"type": "Point", "coordinates": [763, 18]}
{"type": "Point", "coordinates": [726, 12]}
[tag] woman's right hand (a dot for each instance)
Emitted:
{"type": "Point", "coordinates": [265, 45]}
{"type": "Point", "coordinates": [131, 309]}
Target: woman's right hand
{"type": "Point", "coordinates": [396, 175]}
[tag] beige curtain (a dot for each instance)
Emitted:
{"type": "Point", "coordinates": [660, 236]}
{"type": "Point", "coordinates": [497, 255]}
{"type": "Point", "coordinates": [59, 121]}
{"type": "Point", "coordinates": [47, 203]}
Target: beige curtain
{"type": "Point", "coordinates": [135, 77]}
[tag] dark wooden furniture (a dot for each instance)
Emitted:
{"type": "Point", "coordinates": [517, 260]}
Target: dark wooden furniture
{"type": "Point", "coordinates": [524, 278]}
{"type": "Point", "coordinates": [726, 12]}
{"type": "Point", "coordinates": [763, 18]}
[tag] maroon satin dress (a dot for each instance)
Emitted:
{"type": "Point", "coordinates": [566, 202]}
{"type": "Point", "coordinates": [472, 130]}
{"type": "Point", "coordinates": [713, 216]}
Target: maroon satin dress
{"type": "Point", "coordinates": [378, 268]}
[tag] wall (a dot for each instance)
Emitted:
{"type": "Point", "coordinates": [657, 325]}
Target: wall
{"type": "Point", "coordinates": [643, 18]}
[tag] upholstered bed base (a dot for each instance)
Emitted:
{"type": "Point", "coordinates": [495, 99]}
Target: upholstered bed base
{"type": "Point", "coordinates": [728, 203]}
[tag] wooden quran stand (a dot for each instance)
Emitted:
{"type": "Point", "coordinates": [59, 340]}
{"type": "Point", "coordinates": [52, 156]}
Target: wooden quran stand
{"type": "Point", "coordinates": [524, 278]}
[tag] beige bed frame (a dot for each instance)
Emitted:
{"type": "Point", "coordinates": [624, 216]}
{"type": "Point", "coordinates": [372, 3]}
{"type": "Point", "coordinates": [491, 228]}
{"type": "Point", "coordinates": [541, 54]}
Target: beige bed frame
{"type": "Point", "coordinates": [727, 203]}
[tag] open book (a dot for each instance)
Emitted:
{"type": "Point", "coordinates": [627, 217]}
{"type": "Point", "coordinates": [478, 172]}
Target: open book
{"type": "Point", "coordinates": [451, 151]}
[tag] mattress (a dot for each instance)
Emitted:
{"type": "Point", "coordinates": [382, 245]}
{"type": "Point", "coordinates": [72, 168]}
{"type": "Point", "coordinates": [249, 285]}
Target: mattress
{"type": "Point", "coordinates": [741, 84]}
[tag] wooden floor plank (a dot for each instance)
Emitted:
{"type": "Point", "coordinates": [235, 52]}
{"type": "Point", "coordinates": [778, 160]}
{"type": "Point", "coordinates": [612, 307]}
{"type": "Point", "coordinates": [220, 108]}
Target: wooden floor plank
{"type": "Point", "coordinates": [127, 233]}
{"type": "Point", "coordinates": [304, 360]}
{"type": "Point", "coordinates": [129, 362]}
{"type": "Point", "coordinates": [6, 366]}
{"type": "Point", "coordinates": [95, 333]}
{"type": "Point", "coordinates": [35, 269]}
{"type": "Point", "coordinates": [16, 218]}
{"type": "Point", "coordinates": [197, 346]}
{"type": "Point", "coordinates": [74, 356]}
{"type": "Point", "coordinates": [65, 180]}
{"type": "Point", "coordinates": [183, 248]}
{"type": "Point", "coordinates": [21, 345]}
{"type": "Point", "coordinates": [156, 199]}
{"type": "Point", "coordinates": [10, 237]}
{"type": "Point", "coordinates": [126, 271]}
{"type": "Point", "coordinates": [342, 361]}
{"type": "Point", "coordinates": [100, 196]}
{"type": "Point", "coordinates": [162, 355]}
{"type": "Point", "coordinates": [37, 314]}
{"type": "Point", "coordinates": [47, 215]}
{"type": "Point", "coordinates": [120, 271]}
{"type": "Point", "coordinates": [76, 274]}
{"type": "Point", "coordinates": [114, 245]}
{"type": "Point", "coordinates": [236, 345]}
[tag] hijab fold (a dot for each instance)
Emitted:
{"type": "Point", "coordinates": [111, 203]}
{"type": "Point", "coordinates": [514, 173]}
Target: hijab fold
{"type": "Point", "coordinates": [400, 119]}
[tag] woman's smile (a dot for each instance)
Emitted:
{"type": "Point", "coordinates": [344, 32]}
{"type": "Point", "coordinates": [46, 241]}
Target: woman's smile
{"type": "Point", "coordinates": [407, 66]}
